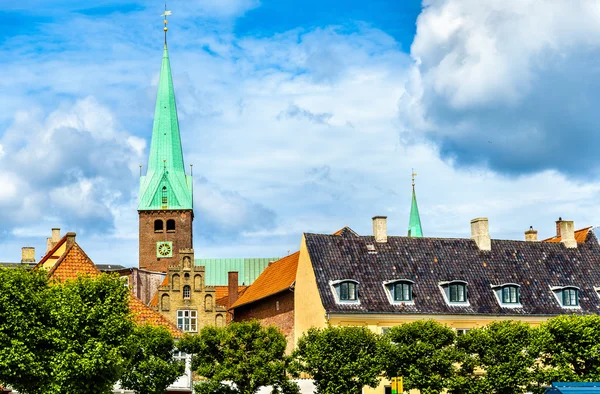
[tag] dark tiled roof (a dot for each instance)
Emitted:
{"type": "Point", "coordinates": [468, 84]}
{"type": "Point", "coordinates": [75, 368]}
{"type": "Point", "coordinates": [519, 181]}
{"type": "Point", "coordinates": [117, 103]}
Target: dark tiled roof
{"type": "Point", "coordinates": [428, 261]}
{"type": "Point", "coordinates": [110, 267]}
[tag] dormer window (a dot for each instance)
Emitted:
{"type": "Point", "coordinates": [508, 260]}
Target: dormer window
{"type": "Point", "coordinates": [455, 292]}
{"type": "Point", "coordinates": [508, 295]}
{"type": "Point", "coordinates": [567, 296]}
{"type": "Point", "coordinates": [399, 291]}
{"type": "Point", "coordinates": [345, 290]}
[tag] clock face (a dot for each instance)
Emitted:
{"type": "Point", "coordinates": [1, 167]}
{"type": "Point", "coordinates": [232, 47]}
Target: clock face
{"type": "Point", "coordinates": [164, 249]}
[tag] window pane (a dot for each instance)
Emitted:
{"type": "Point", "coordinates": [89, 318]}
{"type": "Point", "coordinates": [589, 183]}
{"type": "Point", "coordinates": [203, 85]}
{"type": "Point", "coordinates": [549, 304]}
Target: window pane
{"type": "Point", "coordinates": [505, 294]}
{"type": "Point", "coordinates": [461, 293]}
{"type": "Point", "coordinates": [352, 291]}
{"type": "Point", "coordinates": [453, 297]}
{"type": "Point", "coordinates": [344, 291]}
{"type": "Point", "coordinates": [407, 292]}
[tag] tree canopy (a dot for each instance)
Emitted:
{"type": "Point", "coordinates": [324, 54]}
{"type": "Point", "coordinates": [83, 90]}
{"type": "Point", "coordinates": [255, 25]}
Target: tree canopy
{"type": "Point", "coordinates": [341, 360]}
{"type": "Point", "coordinates": [239, 358]}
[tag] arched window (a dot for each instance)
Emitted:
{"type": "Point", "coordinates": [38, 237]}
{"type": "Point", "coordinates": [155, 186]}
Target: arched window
{"type": "Point", "coordinates": [345, 290]}
{"type": "Point", "coordinates": [455, 292]}
{"type": "Point", "coordinates": [176, 283]}
{"type": "Point", "coordinates": [219, 321]}
{"type": "Point", "coordinates": [400, 290]}
{"type": "Point", "coordinates": [171, 225]}
{"type": "Point", "coordinates": [186, 292]}
{"type": "Point", "coordinates": [508, 295]}
{"type": "Point", "coordinates": [158, 226]}
{"type": "Point", "coordinates": [208, 303]}
{"type": "Point", "coordinates": [164, 196]}
{"type": "Point", "coordinates": [165, 303]}
{"type": "Point", "coordinates": [567, 296]}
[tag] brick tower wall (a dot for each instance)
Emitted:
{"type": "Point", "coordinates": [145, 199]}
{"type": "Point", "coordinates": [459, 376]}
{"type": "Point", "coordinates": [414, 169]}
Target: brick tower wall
{"type": "Point", "coordinates": [181, 237]}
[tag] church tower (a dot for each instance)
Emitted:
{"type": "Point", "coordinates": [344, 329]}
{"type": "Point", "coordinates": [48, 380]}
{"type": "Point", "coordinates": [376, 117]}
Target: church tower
{"type": "Point", "coordinates": [165, 200]}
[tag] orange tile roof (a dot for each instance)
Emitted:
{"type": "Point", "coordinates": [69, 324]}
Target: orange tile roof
{"type": "Point", "coordinates": [277, 277]}
{"type": "Point", "coordinates": [143, 314]}
{"type": "Point", "coordinates": [580, 236]}
{"type": "Point", "coordinates": [74, 262]}
{"type": "Point", "coordinates": [222, 295]}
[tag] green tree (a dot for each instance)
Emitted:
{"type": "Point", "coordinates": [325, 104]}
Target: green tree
{"type": "Point", "coordinates": [152, 366]}
{"type": "Point", "coordinates": [341, 360]}
{"type": "Point", "coordinates": [569, 348]}
{"type": "Point", "coordinates": [245, 354]}
{"type": "Point", "coordinates": [423, 353]}
{"type": "Point", "coordinates": [91, 326]}
{"type": "Point", "coordinates": [25, 345]}
{"type": "Point", "coordinates": [502, 352]}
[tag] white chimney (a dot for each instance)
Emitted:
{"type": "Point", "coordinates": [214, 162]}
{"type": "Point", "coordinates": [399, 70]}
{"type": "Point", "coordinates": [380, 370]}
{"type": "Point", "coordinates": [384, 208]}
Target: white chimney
{"type": "Point", "coordinates": [567, 233]}
{"type": "Point", "coordinates": [27, 254]}
{"type": "Point", "coordinates": [380, 228]}
{"type": "Point", "coordinates": [480, 233]}
{"type": "Point", "coordinates": [531, 235]}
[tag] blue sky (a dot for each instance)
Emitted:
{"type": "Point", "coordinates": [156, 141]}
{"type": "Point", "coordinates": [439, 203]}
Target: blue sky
{"type": "Point", "coordinates": [299, 116]}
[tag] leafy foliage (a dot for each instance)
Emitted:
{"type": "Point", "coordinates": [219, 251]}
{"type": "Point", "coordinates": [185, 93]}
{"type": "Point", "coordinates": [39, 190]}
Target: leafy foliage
{"type": "Point", "coordinates": [569, 349]}
{"type": "Point", "coordinates": [245, 354]}
{"type": "Point", "coordinates": [422, 352]}
{"type": "Point", "coordinates": [341, 360]}
{"type": "Point", "coordinates": [502, 353]}
{"type": "Point", "coordinates": [25, 345]}
{"type": "Point", "coordinates": [152, 367]}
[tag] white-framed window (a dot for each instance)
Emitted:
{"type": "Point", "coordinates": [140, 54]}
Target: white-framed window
{"type": "Point", "coordinates": [399, 291]}
{"type": "Point", "coordinates": [462, 331]}
{"type": "Point", "coordinates": [178, 355]}
{"type": "Point", "coordinates": [455, 292]}
{"type": "Point", "coordinates": [186, 291]}
{"type": "Point", "coordinates": [345, 290]}
{"type": "Point", "coordinates": [187, 320]}
{"type": "Point", "coordinates": [567, 296]}
{"type": "Point", "coordinates": [508, 295]}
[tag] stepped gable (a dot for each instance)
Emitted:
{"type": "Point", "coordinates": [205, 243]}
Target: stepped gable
{"type": "Point", "coordinates": [536, 266]}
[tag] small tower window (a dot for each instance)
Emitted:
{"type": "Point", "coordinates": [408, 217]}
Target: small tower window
{"type": "Point", "coordinates": [186, 291]}
{"type": "Point", "coordinates": [158, 226]}
{"type": "Point", "coordinates": [170, 225]}
{"type": "Point", "coordinates": [164, 196]}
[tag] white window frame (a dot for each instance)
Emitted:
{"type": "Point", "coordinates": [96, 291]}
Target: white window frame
{"type": "Point", "coordinates": [388, 286]}
{"type": "Point", "coordinates": [444, 285]}
{"type": "Point", "coordinates": [500, 298]}
{"type": "Point", "coordinates": [187, 320]}
{"type": "Point", "coordinates": [335, 284]}
{"type": "Point", "coordinates": [558, 294]}
{"type": "Point", "coordinates": [461, 331]}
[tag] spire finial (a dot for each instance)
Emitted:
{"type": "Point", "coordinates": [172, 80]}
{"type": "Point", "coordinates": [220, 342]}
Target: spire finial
{"type": "Point", "coordinates": [165, 21]}
{"type": "Point", "coordinates": [414, 174]}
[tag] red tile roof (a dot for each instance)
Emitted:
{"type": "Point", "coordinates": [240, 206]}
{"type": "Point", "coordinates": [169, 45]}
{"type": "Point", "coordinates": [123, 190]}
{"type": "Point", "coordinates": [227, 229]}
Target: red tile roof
{"type": "Point", "coordinates": [580, 236]}
{"type": "Point", "coordinates": [143, 314]}
{"type": "Point", "coordinates": [277, 277]}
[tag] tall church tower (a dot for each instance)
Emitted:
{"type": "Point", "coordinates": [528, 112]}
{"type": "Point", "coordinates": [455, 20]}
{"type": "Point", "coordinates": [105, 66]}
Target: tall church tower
{"type": "Point", "coordinates": [165, 207]}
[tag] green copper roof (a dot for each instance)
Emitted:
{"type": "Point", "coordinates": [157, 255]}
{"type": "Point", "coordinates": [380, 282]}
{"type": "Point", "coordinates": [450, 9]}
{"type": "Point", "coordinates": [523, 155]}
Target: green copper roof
{"type": "Point", "coordinates": [414, 223]}
{"type": "Point", "coordinates": [248, 269]}
{"type": "Point", "coordinates": [165, 185]}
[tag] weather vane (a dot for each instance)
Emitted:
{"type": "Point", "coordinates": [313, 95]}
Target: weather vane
{"type": "Point", "coordinates": [167, 13]}
{"type": "Point", "coordinates": [414, 174]}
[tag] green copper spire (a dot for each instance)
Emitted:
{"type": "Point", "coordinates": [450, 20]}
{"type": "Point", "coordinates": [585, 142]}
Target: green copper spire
{"type": "Point", "coordinates": [414, 223]}
{"type": "Point", "coordinates": [165, 185]}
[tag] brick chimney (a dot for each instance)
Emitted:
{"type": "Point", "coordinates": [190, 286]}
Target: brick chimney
{"type": "Point", "coordinates": [380, 228]}
{"type": "Point", "coordinates": [27, 254]}
{"type": "Point", "coordinates": [70, 239]}
{"type": "Point", "coordinates": [232, 288]}
{"type": "Point", "coordinates": [567, 233]}
{"type": "Point", "coordinates": [558, 226]}
{"type": "Point", "coordinates": [53, 240]}
{"type": "Point", "coordinates": [480, 233]}
{"type": "Point", "coordinates": [531, 235]}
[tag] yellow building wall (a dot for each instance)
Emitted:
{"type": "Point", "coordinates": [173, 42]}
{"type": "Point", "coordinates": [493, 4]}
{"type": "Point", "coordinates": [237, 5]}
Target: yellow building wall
{"type": "Point", "coordinates": [308, 308]}
{"type": "Point", "coordinates": [48, 264]}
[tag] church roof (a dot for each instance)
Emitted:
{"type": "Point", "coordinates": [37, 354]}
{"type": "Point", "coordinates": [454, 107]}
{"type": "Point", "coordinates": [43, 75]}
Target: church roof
{"type": "Point", "coordinates": [165, 185]}
{"type": "Point", "coordinates": [248, 269]}
{"type": "Point", "coordinates": [414, 223]}
{"type": "Point", "coordinates": [538, 267]}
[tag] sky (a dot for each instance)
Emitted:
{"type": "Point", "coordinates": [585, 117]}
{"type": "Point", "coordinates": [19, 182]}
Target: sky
{"type": "Point", "coordinates": [300, 116]}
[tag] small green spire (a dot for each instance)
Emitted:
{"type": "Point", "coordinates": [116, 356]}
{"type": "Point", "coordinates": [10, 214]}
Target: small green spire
{"type": "Point", "coordinates": [165, 185]}
{"type": "Point", "coordinates": [414, 223]}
